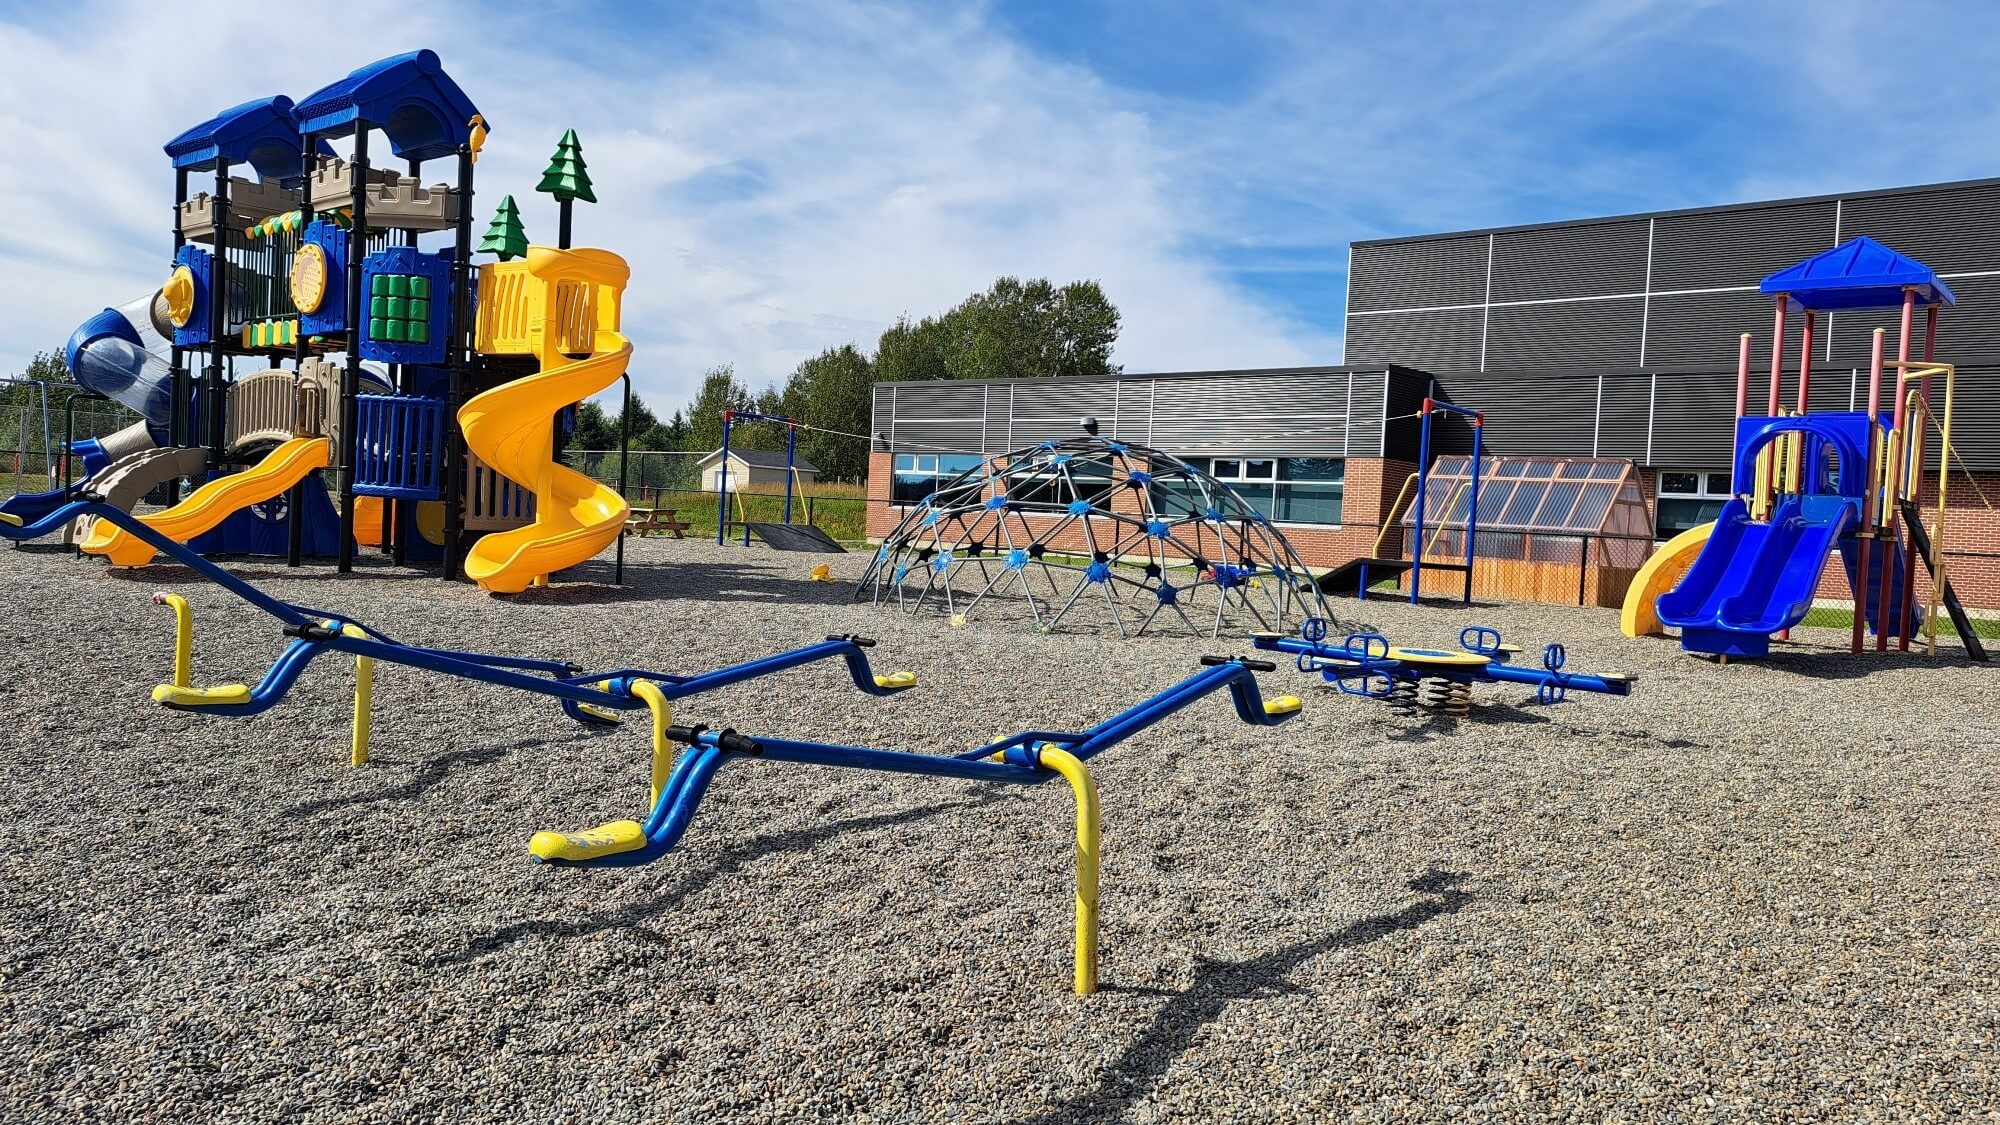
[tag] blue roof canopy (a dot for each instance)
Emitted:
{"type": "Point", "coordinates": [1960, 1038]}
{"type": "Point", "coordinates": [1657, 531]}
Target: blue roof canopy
{"type": "Point", "coordinates": [1860, 273]}
{"type": "Point", "coordinates": [262, 134]}
{"type": "Point", "coordinates": [409, 97]}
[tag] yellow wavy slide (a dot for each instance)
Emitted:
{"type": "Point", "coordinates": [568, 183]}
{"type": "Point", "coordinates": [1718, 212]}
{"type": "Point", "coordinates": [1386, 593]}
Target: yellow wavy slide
{"type": "Point", "coordinates": [554, 304]}
{"type": "Point", "coordinates": [1662, 571]}
{"type": "Point", "coordinates": [212, 503]}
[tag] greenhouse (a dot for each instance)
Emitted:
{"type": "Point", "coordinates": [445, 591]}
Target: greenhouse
{"type": "Point", "coordinates": [1550, 529]}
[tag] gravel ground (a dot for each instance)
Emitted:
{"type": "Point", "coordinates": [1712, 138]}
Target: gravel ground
{"type": "Point", "coordinates": [1754, 892]}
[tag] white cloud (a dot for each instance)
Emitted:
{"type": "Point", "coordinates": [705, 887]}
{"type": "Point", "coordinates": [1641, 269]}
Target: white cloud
{"type": "Point", "coordinates": [804, 180]}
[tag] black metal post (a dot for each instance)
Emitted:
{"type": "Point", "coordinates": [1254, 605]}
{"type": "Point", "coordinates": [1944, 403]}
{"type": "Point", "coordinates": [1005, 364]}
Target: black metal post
{"type": "Point", "coordinates": [69, 438]}
{"type": "Point", "coordinates": [563, 208]}
{"type": "Point", "coordinates": [357, 326]}
{"type": "Point", "coordinates": [462, 358]}
{"type": "Point", "coordinates": [624, 460]}
{"type": "Point", "coordinates": [1582, 569]}
{"type": "Point", "coordinates": [218, 319]}
{"type": "Point", "coordinates": [296, 500]}
{"type": "Point", "coordinates": [178, 421]}
{"type": "Point", "coordinates": [393, 543]}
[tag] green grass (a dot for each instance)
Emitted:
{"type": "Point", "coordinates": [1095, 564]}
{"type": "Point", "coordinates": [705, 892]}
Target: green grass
{"type": "Point", "coordinates": [845, 518]}
{"type": "Point", "coordinates": [1822, 617]}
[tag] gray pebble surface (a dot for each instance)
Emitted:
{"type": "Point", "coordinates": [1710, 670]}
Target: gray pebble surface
{"type": "Point", "coordinates": [1757, 892]}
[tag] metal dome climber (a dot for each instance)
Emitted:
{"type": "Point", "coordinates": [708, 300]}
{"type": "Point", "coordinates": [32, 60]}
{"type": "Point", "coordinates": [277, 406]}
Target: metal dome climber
{"type": "Point", "coordinates": [1089, 521]}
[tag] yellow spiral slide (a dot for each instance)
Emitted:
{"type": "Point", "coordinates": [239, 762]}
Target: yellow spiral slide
{"type": "Point", "coordinates": [212, 503]}
{"type": "Point", "coordinates": [561, 306]}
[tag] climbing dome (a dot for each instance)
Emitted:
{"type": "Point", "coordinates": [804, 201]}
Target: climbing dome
{"type": "Point", "coordinates": [1099, 531]}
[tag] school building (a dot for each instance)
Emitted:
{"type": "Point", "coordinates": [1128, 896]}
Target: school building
{"type": "Point", "coordinates": [1611, 339]}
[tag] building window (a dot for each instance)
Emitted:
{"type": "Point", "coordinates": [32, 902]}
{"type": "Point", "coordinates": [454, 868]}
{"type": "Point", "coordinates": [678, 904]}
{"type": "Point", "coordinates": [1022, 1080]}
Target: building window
{"type": "Point", "coordinates": [1285, 489]}
{"type": "Point", "coordinates": [918, 475]}
{"type": "Point", "coordinates": [1688, 498]}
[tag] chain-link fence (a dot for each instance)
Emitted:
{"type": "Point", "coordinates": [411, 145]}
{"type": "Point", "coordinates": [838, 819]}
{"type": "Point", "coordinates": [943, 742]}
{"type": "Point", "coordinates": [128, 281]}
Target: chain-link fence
{"type": "Point", "coordinates": [31, 436]}
{"type": "Point", "coordinates": [672, 481]}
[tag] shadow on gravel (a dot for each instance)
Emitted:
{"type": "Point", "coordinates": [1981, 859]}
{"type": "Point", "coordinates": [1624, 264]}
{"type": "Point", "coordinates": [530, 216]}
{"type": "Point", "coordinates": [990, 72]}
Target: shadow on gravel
{"type": "Point", "coordinates": [1437, 725]}
{"type": "Point", "coordinates": [1847, 666]}
{"type": "Point", "coordinates": [728, 863]}
{"type": "Point", "coordinates": [1176, 1026]}
{"type": "Point", "coordinates": [427, 776]}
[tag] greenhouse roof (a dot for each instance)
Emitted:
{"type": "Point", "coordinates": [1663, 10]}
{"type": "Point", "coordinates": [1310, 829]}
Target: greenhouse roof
{"type": "Point", "coordinates": [1557, 495]}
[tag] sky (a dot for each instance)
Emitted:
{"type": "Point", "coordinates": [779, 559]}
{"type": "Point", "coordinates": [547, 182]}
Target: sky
{"type": "Point", "coordinates": [790, 176]}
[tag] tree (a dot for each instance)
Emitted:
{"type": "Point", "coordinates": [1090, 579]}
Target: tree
{"type": "Point", "coordinates": [49, 368]}
{"type": "Point", "coordinates": [594, 429]}
{"type": "Point", "coordinates": [719, 392]}
{"type": "Point", "coordinates": [566, 178]}
{"type": "Point", "coordinates": [1014, 330]}
{"type": "Point", "coordinates": [834, 390]}
{"type": "Point", "coordinates": [504, 235]}
{"type": "Point", "coordinates": [910, 352]}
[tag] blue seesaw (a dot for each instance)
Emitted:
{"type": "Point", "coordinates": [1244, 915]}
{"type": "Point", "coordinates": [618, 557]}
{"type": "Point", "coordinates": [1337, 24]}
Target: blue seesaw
{"type": "Point", "coordinates": [1366, 664]}
{"type": "Point", "coordinates": [1029, 757]}
{"type": "Point", "coordinates": [589, 697]}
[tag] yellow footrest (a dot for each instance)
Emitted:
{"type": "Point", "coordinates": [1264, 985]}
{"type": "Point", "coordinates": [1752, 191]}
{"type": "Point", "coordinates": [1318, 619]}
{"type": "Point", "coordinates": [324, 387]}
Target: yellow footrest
{"type": "Point", "coordinates": [592, 843]}
{"type": "Point", "coordinates": [1283, 705]}
{"type": "Point", "coordinates": [221, 695]}
{"type": "Point", "coordinates": [896, 681]}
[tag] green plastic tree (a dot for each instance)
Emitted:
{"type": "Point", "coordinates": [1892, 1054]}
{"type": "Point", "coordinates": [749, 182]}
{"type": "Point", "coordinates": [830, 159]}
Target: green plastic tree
{"type": "Point", "coordinates": [504, 235]}
{"type": "Point", "coordinates": [566, 178]}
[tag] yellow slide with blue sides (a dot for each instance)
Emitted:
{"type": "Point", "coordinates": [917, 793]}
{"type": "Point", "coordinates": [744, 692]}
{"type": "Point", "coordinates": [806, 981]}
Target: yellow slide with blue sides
{"type": "Point", "coordinates": [557, 305]}
{"type": "Point", "coordinates": [213, 502]}
{"type": "Point", "coordinates": [1660, 573]}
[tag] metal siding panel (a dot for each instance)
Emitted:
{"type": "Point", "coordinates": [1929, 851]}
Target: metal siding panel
{"type": "Point", "coordinates": [1586, 260]}
{"type": "Point", "coordinates": [1624, 415]}
{"type": "Point", "coordinates": [880, 417]}
{"type": "Point", "coordinates": [1968, 333]}
{"type": "Point", "coordinates": [1948, 229]}
{"type": "Point", "coordinates": [1442, 339]}
{"type": "Point", "coordinates": [1416, 274]}
{"type": "Point", "coordinates": [1304, 414]}
{"type": "Point", "coordinates": [1405, 396]}
{"type": "Point", "coordinates": [1569, 334]}
{"type": "Point", "coordinates": [1698, 332]}
{"type": "Point", "coordinates": [1975, 426]}
{"type": "Point", "coordinates": [1527, 414]}
{"type": "Point", "coordinates": [1364, 419]}
{"type": "Point", "coordinates": [932, 436]}
{"type": "Point", "coordinates": [1737, 247]}
{"type": "Point", "coordinates": [1694, 421]}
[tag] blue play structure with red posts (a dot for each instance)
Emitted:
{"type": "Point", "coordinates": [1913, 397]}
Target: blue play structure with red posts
{"type": "Point", "coordinates": [1807, 484]}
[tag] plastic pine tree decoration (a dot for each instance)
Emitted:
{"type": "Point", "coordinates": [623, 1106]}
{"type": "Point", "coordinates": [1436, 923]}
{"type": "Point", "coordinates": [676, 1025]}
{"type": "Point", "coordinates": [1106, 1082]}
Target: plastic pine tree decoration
{"type": "Point", "coordinates": [504, 235]}
{"type": "Point", "coordinates": [566, 178]}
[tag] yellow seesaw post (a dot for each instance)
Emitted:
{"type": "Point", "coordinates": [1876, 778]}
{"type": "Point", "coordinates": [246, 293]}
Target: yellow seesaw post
{"type": "Point", "coordinates": [364, 699]}
{"type": "Point", "coordinates": [1087, 861]}
{"type": "Point", "coordinates": [183, 636]}
{"type": "Point", "coordinates": [663, 751]}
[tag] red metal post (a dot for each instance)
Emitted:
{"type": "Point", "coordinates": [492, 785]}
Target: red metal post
{"type": "Point", "coordinates": [1912, 441]}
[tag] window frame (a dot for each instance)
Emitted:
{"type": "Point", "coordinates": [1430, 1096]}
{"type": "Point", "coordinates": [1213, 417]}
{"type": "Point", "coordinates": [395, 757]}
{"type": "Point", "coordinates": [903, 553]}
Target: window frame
{"type": "Point", "coordinates": [1704, 494]}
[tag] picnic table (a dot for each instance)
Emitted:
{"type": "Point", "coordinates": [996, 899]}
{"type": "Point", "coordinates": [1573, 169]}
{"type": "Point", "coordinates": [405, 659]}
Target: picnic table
{"type": "Point", "coordinates": [643, 520]}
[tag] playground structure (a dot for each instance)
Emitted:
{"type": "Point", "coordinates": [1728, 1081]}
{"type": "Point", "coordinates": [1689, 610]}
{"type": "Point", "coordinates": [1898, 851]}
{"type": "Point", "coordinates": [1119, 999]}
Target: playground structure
{"type": "Point", "coordinates": [1806, 484]}
{"type": "Point", "coordinates": [786, 536]}
{"type": "Point", "coordinates": [675, 789]}
{"type": "Point", "coordinates": [1366, 664]}
{"type": "Point", "coordinates": [1094, 519]}
{"type": "Point", "coordinates": [431, 394]}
